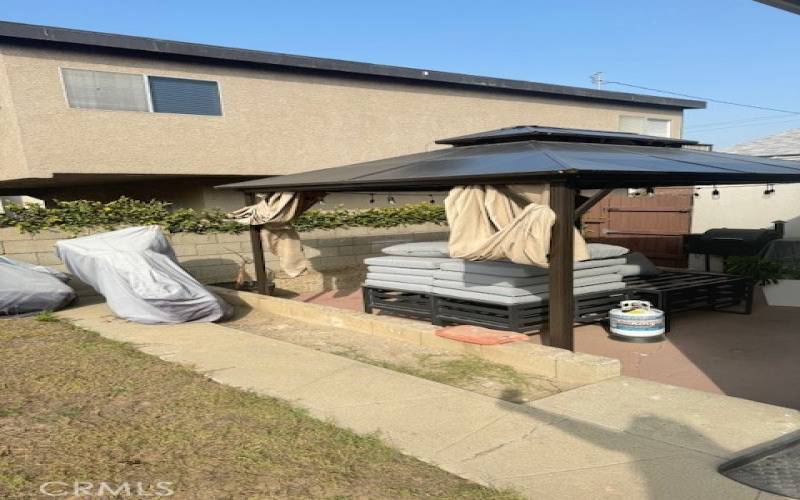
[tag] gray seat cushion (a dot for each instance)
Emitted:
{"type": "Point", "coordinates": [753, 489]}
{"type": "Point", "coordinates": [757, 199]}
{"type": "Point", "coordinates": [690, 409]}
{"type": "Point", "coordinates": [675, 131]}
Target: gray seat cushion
{"type": "Point", "coordinates": [403, 271]}
{"type": "Point", "coordinates": [409, 262]}
{"type": "Point", "coordinates": [487, 297]}
{"type": "Point", "coordinates": [521, 291]}
{"type": "Point", "coordinates": [524, 299]}
{"type": "Point", "coordinates": [510, 269]}
{"type": "Point", "coordinates": [512, 281]}
{"type": "Point", "coordinates": [399, 278]}
{"type": "Point", "coordinates": [394, 285]}
{"type": "Point", "coordinates": [419, 249]}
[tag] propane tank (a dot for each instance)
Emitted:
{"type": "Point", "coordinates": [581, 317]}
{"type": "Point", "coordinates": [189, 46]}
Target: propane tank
{"type": "Point", "coordinates": [637, 321]}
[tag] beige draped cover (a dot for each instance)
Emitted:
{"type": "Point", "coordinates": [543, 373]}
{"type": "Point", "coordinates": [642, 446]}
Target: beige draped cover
{"type": "Point", "coordinates": [511, 222]}
{"type": "Point", "coordinates": [275, 214]}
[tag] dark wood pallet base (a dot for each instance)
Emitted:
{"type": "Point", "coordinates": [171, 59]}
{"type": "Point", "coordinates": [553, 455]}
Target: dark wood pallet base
{"type": "Point", "coordinates": [671, 291]}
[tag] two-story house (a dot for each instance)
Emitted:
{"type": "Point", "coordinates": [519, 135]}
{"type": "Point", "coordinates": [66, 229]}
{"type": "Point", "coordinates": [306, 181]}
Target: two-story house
{"type": "Point", "coordinates": [95, 115]}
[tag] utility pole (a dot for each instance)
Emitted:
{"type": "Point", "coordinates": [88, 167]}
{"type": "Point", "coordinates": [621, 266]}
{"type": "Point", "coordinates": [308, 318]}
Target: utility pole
{"type": "Point", "coordinates": [597, 79]}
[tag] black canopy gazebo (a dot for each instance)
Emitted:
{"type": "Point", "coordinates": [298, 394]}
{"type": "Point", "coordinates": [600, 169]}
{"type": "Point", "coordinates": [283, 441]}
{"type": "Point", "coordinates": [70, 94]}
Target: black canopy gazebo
{"type": "Point", "coordinates": [568, 159]}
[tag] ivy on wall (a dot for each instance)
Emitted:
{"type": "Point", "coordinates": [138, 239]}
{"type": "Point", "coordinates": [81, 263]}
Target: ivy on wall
{"type": "Point", "coordinates": [74, 216]}
{"type": "Point", "coordinates": [406, 215]}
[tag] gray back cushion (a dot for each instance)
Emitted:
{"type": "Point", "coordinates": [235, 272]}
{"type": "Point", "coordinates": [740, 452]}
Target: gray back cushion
{"type": "Point", "coordinates": [606, 251]}
{"type": "Point", "coordinates": [419, 249]}
{"type": "Point", "coordinates": [638, 265]}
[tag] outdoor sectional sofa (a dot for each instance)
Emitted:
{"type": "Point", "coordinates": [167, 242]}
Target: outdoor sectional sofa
{"type": "Point", "coordinates": [506, 296]}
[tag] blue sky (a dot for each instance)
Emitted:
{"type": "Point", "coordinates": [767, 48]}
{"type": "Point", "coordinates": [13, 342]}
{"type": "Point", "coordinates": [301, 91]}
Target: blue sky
{"type": "Point", "coordinates": [734, 50]}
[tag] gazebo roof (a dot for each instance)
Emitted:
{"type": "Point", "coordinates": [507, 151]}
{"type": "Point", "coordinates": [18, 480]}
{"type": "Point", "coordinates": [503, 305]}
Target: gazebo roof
{"type": "Point", "coordinates": [585, 158]}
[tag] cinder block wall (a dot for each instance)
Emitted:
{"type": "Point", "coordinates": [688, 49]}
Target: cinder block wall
{"type": "Point", "coordinates": [336, 256]}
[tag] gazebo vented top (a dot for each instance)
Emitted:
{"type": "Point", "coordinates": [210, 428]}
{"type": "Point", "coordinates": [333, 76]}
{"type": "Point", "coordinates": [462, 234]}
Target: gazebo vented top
{"type": "Point", "coordinates": [587, 159]}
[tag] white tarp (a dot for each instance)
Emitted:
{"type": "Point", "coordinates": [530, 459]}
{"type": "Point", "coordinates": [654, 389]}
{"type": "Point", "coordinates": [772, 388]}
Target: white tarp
{"type": "Point", "coordinates": [137, 272]}
{"type": "Point", "coordinates": [26, 288]}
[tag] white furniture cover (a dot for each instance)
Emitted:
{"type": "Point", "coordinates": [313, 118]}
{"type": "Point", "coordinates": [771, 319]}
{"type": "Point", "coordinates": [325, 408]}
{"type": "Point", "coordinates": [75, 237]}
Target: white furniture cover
{"type": "Point", "coordinates": [137, 272]}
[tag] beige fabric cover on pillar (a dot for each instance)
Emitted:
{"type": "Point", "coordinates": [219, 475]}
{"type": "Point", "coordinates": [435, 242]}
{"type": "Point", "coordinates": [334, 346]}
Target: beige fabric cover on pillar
{"type": "Point", "coordinates": [275, 214]}
{"type": "Point", "coordinates": [503, 223]}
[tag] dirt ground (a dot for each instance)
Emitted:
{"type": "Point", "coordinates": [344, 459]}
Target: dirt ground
{"type": "Point", "coordinates": [77, 407]}
{"type": "Point", "coordinates": [467, 372]}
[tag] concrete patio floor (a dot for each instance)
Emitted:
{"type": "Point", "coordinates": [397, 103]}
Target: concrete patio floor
{"type": "Point", "coordinates": [621, 438]}
{"type": "Point", "coordinates": [753, 357]}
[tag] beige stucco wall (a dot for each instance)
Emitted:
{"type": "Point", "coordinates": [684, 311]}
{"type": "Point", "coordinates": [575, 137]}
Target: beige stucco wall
{"type": "Point", "coordinates": [273, 123]}
{"type": "Point", "coordinates": [12, 158]}
{"type": "Point", "coordinates": [746, 207]}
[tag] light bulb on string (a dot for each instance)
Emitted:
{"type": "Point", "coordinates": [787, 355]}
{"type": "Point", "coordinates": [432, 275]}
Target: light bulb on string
{"type": "Point", "coordinates": [432, 199]}
{"type": "Point", "coordinates": [371, 198]}
{"type": "Point", "coordinates": [715, 193]}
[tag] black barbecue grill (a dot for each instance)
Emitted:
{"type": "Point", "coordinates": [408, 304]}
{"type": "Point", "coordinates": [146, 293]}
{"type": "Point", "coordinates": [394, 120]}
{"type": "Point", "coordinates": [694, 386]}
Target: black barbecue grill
{"type": "Point", "coordinates": [727, 242]}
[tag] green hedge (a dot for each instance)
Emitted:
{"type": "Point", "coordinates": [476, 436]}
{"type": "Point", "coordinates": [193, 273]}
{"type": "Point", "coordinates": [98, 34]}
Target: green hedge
{"type": "Point", "coordinates": [73, 216]}
{"type": "Point", "coordinates": [406, 215]}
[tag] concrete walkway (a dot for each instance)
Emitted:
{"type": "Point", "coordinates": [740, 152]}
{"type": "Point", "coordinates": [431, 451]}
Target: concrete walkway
{"type": "Point", "coordinates": [622, 438]}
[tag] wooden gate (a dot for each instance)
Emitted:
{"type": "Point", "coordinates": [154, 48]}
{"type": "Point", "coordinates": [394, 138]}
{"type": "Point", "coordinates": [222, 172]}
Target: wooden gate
{"type": "Point", "coordinates": [653, 225]}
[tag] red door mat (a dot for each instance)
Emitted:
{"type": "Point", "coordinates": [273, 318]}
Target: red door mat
{"type": "Point", "coordinates": [479, 335]}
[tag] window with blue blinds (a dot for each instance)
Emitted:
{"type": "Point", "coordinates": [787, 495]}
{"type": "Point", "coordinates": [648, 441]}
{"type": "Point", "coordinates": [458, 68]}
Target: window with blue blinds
{"type": "Point", "coordinates": [184, 96]}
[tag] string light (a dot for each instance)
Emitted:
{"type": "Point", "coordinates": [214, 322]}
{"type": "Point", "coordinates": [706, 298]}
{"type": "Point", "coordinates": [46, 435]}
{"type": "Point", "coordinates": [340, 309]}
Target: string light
{"type": "Point", "coordinates": [372, 198]}
{"type": "Point", "coordinates": [715, 193]}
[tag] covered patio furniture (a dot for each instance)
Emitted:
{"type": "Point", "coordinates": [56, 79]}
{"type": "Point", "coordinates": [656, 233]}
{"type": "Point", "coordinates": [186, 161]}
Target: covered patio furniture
{"type": "Point", "coordinates": [569, 160]}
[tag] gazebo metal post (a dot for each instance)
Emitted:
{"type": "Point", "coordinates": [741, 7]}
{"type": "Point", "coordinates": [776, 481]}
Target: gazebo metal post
{"type": "Point", "coordinates": [258, 252]}
{"type": "Point", "coordinates": [561, 314]}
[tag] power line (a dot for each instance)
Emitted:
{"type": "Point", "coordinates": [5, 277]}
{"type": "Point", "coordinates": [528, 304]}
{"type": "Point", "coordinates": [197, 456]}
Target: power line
{"type": "Point", "coordinates": [710, 99]}
{"type": "Point", "coordinates": [708, 129]}
{"type": "Point", "coordinates": [738, 120]}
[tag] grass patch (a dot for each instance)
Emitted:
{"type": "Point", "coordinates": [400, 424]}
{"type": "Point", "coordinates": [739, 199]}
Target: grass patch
{"type": "Point", "coordinates": [46, 316]}
{"type": "Point", "coordinates": [462, 371]}
{"type": "Point", "coordinates": [77, 407]}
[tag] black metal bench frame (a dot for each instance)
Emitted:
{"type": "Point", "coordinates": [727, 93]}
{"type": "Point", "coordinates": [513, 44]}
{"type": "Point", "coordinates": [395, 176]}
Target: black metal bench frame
{"type": "Point", "coordinates": [671, 291]}
{"type": "Point", "coordinates": [676, 291]}
{"type": "Point", "coordinates": [589, 308]}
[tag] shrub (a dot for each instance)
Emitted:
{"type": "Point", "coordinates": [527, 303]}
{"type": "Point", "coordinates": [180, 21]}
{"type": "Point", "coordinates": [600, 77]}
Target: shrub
{"type": "Point", "coordinates": [762, 271]}
{"type": "Point", "coordinates": [406, 215]}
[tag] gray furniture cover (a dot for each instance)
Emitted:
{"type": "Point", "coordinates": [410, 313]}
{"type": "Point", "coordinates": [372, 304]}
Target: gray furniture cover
{"type": "Point", "coordinates": [26, 288]}
{"type": "Point", "coordinates": [137, 272]}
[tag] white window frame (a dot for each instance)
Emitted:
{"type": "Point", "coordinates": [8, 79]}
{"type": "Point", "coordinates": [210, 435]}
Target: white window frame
{"type": "Point", "coordinates": [644, 120]}
{"type": "Point", "coordinates": [146, 82]}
